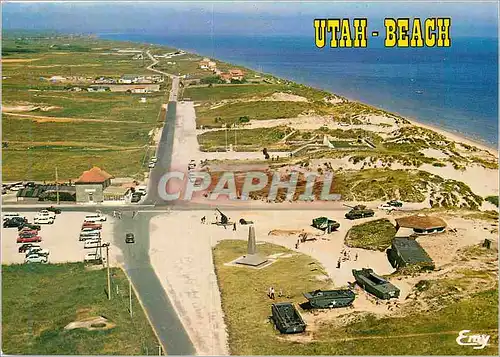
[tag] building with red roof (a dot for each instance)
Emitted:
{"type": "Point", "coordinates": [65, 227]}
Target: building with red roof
{"type": "Point", "coordinates": [91, 184]}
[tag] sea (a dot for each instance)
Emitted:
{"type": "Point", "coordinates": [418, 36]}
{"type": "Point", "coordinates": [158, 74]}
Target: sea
{"type": "Point", "coordinates": [453, 88]}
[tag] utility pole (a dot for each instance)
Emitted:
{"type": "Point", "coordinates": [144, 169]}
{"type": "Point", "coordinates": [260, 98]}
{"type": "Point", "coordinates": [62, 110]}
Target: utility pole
{"type": "Point", "coordinates": [159, 350]}
{"type": "Point", "coordinates": [109, 278]}
{"type": "Point", "coordinates": [57, 187]}
{"type": "Point", "coordinates": [130, 296]}
{"type": "Point", "coordinates": [225, 126]}
{"type": "Point", "coordinates": [235, 134]}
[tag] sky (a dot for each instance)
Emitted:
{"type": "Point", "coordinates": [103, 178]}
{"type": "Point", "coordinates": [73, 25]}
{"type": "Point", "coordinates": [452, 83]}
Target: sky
{"type": "Point", "coordinates": [255, 18]}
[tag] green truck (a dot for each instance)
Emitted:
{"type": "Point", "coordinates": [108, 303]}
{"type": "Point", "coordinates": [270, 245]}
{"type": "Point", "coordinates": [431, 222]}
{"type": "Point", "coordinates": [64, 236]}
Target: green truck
{"type": "Point", "coordinates": [328, 299]}
{"type": "Point", "coordinates": [325, 224]}
{"type": "Point", "coordinates": [375, 284]}
{"type": "Point", "coordinates": [287, 319]}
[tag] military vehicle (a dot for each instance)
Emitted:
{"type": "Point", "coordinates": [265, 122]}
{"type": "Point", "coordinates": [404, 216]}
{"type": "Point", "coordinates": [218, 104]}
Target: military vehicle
{"type": "Point", "coordinates": [328, 299]}
{"type": "Point", "coordinates": [359, 211]}
{"type": "Point", "coordinates": [287, 319]}
{"type": "Point", "coordinates": [325, 224]}
{"type": "Point", "coordinates": [374, 284]}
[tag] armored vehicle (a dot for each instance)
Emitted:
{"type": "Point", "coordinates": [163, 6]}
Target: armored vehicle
{"type": "Point", "coordinates": [287, 319]}
{"type": "Point", "coordinates": [328, 299]}
{"type": "Point", "coordinates": [359, 211]}
{"type": "Point", "coordinates": [325, 224]}
{"type": "Point", "coordinates": [374, 284]}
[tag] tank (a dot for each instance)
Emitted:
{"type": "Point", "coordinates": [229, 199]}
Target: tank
{"type": "Point", "coordinates": [375, 284]}
{"type": "Point", "coordinates": [325, 224]}
{"type": "Point", "coordinates": [287, 319]}
{"type": "Point", "coordinates": [359, 211]}
{"type": "Point", "coordinates": [327, 299]}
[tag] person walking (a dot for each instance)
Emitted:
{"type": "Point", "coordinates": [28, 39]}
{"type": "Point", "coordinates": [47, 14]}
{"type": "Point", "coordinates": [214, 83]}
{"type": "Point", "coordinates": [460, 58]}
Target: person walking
{"type": "Point", "coordinates": [356, 257]}
{"type": "Point", "coordinates": [338, 264]}
{"type": "Point", "coordinates": [203, 220]}
{"type": "Point", "coordinates": [234, 226]}
{"type": "Point", "coordinates": [272, 293]}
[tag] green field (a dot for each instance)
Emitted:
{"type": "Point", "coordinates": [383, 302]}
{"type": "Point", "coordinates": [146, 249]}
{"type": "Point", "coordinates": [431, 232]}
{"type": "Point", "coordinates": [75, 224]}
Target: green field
{"type": "Point", "coordinates": [247, 308]}
{"type": "Point", "coordinates": [38, 301]}
{"type": "Point", "coordinates": [117, 140]}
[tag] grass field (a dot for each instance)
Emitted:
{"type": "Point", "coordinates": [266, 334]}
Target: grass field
{"type": "Point", "coordinates": [247, 308]}
{"type": "Point", "coordinates": [38, 301]}
{"type": "Point", "coordinates": [116, 141]}
{"type": "Point", "coordinates": [373, 235]}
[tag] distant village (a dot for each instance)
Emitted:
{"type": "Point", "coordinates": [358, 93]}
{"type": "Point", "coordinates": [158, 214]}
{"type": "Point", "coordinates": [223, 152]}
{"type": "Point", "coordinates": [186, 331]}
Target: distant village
{"type": "Point", "coordinates": [231, 75]}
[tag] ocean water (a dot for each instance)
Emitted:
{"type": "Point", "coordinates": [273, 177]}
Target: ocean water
{"type": "Point", "coordinates": [454, 88]}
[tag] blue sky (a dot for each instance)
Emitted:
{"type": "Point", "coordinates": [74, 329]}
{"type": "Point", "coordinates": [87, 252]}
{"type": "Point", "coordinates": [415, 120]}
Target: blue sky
{"type": "Point", "coordinates": [254, 18]}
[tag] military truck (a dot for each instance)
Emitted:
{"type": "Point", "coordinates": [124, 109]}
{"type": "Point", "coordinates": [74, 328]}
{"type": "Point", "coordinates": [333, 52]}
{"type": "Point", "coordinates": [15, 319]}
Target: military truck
{"type": "Point", "coordinates": [359, 211]}
{"type": "Point", "coordinates": [374, 284]}
{"type": "Point", "coordinates": [287, 319]}
{"type": "Point", "coordinates": [329, 299]}
{"type": "Point", "coordinates": [325, 224]}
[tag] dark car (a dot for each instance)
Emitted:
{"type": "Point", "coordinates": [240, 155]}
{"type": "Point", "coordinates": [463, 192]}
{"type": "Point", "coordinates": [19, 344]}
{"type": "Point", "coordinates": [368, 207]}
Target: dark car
{"type": "Point", "coordinates": [136, 198]}
{"type": "Point", "coordinates": [395, 203]}
{"type": "Point", "coordinates": [129, 238]}
{"type": "Point", "coordinates": [53, 209]}
{"type": "Point", "coordinates": [25, 247]}
{"type": "Point", "coordinates": [14, 222]}
{"type": "Point", "coordinates": [35, 227]}
{"type": "Point", "coordinates": [30, 184]}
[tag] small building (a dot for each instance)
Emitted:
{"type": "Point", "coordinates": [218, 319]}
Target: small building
{"type": "Point", "coordinates": [57, 79]}
{"type": "Point", "coordinates": [115, 193]}
{"type": "Point", "coordinates": [422, 224]}
{"type": "Point", "coordinates": [204, 63]}
{"type": "Point", "coordinates": [226, 77]}
{"type": "Point", "coordinates": [408, 252]}
{"type": "Point", "coordinates": [236, 74]}
{"type": "Point", "coordinates": [130, 78]}
{"type": "Point", "coordinates": [98, 89]}
{"type": "Point", "coordinates": [91, 184]}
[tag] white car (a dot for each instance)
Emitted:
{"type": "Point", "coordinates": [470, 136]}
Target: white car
{"type": "Point", "coordinates": [386, 207]}
{"type": "Point", "coordinates": [93, 258]}
{"type": "Point", "coordinates": [92, 243]}
{"type": "Point", "coordinates": [45, 213]}
{"type": "Point", "coordinates": [154, 159]}
{"type": "Point", "coordinates": [9, 215]}
{"type": "Point", "coordinates": [34, 258]}
{"type": "Point", "coordinates": [90, 229]}
{"type": "Point", "coordinates": [90, 235]}
{"type": "Point", "coordinates": [17, 187]}
{"type": "Point", "coordinates": [152, 165]}
{"type": "Point", "coordinates": [95, 218]}
{"type": "Point", "coordinates": [37, 251]}
{"type": "Point", "coordinates": [43, 220]}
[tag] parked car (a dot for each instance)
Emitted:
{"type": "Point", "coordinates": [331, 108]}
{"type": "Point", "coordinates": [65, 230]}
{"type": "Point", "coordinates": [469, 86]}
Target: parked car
{"type": "Point", "coordinates": [129, 238]}
{"type": "Point", "coordinates": [30, 184]}
{"type": "Point", "coordinates": [31, 239]}
{"type": "Point", "coordinates": [154, 159]}
{"type": "Point", "coordinates": [35, 227]}
{"type": "Point", "coordinates": [9, 215]}
{"type": "Point", "coordinates": [46, 213]}
{"type": "Point", "coordinates": [96, 217]}
{"type": "Point", "coordinates": [44, 220]}
{"type": "Point", "coordinates": [17, 187]}
{"type": "Point", "coordinates": [89, 236]}
{"type": "Point", "coordinates": [91, 225]}
{"type": "Point", "coordinates": [25, 233]}
{"type": "Point", "coordinates": [136, 197]}
{"type": "Point", "coordinates": [26, 246]}
{"type": "Point", "coordinates": [92, 243]}
{"type": "Point", "coordinates": [89, 229]}
{"type": "Point", "coordinates": [386, 207]}
{"type": "Point", "coordinates": [34, 258]}
{"type": "Point", "coordinates": [37, 251]}
{"type": "Point", "coordinates": [53, 209]}
{"type": "Point", "coordinates": [152, 165]}
{"type": "Point", "coordinates": [395, 203]}
{"type": "Point", "coordinates": [93, 257]}
{"type": "Point", "coordinates": [14, 222]}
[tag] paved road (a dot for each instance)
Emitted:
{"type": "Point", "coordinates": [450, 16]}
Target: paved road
{"type": "Point", "coordinates": [162, 314]}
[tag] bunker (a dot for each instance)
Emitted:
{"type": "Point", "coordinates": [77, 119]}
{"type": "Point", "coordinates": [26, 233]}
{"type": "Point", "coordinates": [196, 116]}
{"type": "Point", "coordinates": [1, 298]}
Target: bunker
{"type": "Point", "coordinates": [408, 252]}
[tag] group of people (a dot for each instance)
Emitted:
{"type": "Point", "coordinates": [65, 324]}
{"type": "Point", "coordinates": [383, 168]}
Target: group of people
{"type": "Point", "coordinates": [345, 255]}
{"type": "Point", "coordinates": [118, 214]}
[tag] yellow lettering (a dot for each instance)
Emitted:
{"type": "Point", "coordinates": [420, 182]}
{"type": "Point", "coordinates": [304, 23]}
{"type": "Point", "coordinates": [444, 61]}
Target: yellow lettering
{"type": "Point", "coordinates": [333, 26]}
{"type": "Point", "coordinates": [345, 39]}
{"type": "Point", "coordinates": [416, 34]}
{"type": "Point", "coordinates": [390, 32]}
{"type": "Point", "coordinates": [430, 37]}
{"type": "Point", "coordinates": [403, 27]}
{"type": "Point", "coordinates": [320, 33]}
{"type": "Point", "coordinates": [443, 25]}
{"type": "Point", "coordinates": [360, 38]}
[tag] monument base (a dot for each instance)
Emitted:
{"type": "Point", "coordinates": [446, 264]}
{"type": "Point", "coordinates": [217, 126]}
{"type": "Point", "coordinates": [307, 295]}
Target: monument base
{"type": "Point", "coordinates": [253, 260]}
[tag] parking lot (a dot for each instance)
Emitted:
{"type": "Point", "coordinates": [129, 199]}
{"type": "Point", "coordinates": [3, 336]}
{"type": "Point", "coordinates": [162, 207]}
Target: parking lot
{"type": "Point", "coordinates": [60, 238]}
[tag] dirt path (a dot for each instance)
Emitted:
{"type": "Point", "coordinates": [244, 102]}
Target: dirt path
{"type": "Point", "coordinates": [45, 119]}
{"type": "Point", "coordinates": [77, 143]}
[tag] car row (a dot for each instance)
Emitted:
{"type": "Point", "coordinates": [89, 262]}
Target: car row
{"type": "Point", "coordinates": [152, 162]}
{"type": "Point", "coordinates": [90, 234]}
